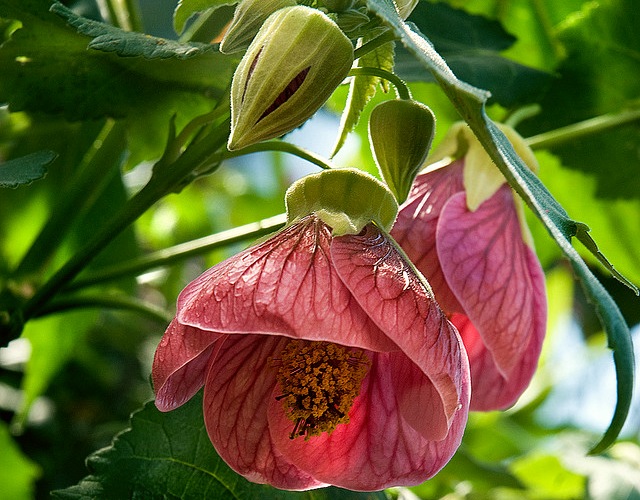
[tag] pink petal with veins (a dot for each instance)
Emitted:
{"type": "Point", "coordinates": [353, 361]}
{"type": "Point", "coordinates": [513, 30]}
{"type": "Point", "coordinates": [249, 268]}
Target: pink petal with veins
{"type": "Point", "coordinates": [180, 364]}
{"type": "Point", "coordinates": [415, 227]}
{"type": "Point", "coordinates": [239, 387]}
{"type": "Point", "coordinates": [499, 283]}
{"type": "Point", "coordinates": [378, 448]}
{"type": "Point", "coordinates": [403, 307]}
{"type": "Point", "coordinates": [283, 286]}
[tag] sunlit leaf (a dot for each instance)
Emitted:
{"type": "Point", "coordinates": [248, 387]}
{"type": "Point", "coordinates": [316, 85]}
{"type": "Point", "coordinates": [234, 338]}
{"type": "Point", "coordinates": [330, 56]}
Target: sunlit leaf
{"type": "Point", "coordinates": [362, 89]}
{"type": "Point", "coordinates": [26, 169]}
{"type": "Point", "coordinates": [470, 102]}
{"type": "Point", "coordinates": [169, 455]}
{"type": "Point", "coordinates": [546, 477]}
{"type": "Point", "coordinates": [598, 76]}
{"type": "Point", "coordinates": [17, 473]}
{"type": "Point", "coordinates": [187, 8]}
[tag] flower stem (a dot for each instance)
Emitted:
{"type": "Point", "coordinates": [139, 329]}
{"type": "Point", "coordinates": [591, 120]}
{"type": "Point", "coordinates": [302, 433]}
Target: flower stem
{"type": "Point", "coordinates": [582, 129]}
{"type": "Point", "coordinates": [179, 252]}
{"type": "Point", "coordinates": [166, 178]}
{"type": "Point", "coordinates": [386, 37]}
{"type": "Point", "coordinates": [283, 146]}
{"type": "Point", "coordinates": [399, 84]}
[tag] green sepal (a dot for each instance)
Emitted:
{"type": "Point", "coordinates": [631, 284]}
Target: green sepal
{"type": "Point", "coordinates": [293, 65]}
{"type": "Point", "coordinates": [400, 134]}
{"type": "Point", "coordinates": [346, 199]}
{"type": "Point", "coordinates": [247, 20]}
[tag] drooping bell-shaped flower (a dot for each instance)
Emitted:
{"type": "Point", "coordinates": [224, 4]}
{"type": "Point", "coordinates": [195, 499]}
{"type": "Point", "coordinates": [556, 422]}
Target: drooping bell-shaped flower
{"type": "Point", "coordinates": [323, 355]}
{"type": "Point", "coordinates": [464, 229]}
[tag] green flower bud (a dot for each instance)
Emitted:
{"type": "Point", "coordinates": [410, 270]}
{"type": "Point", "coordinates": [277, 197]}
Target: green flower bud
{"type": "Point", "coordinates": [346, 199]}
{"type": "Point", "coordinates": [293, 65]}
{"type": "Point", "coordinates": [247, 19]}
{"type": "Point", "coordinates": [400, 134]}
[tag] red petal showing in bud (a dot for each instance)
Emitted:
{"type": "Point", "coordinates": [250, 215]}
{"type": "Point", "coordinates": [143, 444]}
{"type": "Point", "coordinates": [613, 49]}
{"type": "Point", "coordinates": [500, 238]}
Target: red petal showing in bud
{"type": "Point", "coordinates": [249, 73]}
{"type": "Point", "coordinates": [287, 93]}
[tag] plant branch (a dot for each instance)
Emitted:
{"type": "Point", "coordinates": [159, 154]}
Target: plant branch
{"type": "Point", "coordinates": [102, 301]}
{"type": "Point", "coordinates": [582, 129]}
{"type": "Point", "coordinates": [94, 174]}
{"type": "Point", "coordinates": [167, 176]}
{"type": "Point", "coordinates": [182, 251]}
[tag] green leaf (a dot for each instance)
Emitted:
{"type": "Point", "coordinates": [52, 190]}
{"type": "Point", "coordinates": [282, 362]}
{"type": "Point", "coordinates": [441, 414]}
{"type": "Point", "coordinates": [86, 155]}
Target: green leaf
{"type": "Point", "coordinates": [598, 76]}
{"type": "Point", "coordinates": [26, 169]}
{"type": "Point", "coordinates": [471, 46]}
{"type": "Point", "coordinates": [169, 455]}
{"type": "Point", "coordinates": [614, 223]}
{"type": "Point", "coordinates": [17, 473]}
{"type": "Point", "coordinates": [470, 103]}
{"type": "Point", "coordinates": [546, 477]}
{"type": "Point", "coordinates": [187, 8]}
{"type": "Point", "coordinates": [362, 89]}
{"type": "Point", "coordinates": [89, 70]}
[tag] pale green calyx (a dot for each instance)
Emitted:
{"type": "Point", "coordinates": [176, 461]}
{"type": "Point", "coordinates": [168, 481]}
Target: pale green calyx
{"type": "Point", "coordinates": [293, 65]}
{"type": "Point", "coordinates": [400, 134]}
{"type": "Point", "coordinates": [346, 199]}
{"type": "Point", "coordinates": [247, 20]}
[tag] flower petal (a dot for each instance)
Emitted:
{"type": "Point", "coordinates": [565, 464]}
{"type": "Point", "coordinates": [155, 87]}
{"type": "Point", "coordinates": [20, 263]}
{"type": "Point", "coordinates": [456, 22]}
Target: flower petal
{"type": "Point", "coordinates": [284, 286]}
{"type": "Point", "coordinates": [489, 388]}
{"type": "Point", "coordinates": [415, 227]}
{"type": "Point", "coordinates": [377, 448]}
{"type": "Point", "coordinates": [238, 389]}
{"type": "Point", "coordinates": [180, 363]}
{"type": "Point", "coordinates": [403, 306]}
{"type": "Point", "coordinates": [498, 281]}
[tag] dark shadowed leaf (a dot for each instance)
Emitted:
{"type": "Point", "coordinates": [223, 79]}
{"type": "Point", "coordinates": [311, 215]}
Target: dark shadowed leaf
{"type": "Point", "coordinates": [169, 455]}
{"type": "Point", "coordinates": [26, 169]}
{"type": "Point", "coordinates": [86, 70]}
{"type": "Point", "coordinates": [471, 46]}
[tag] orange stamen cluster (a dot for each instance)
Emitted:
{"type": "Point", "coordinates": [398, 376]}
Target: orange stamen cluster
{"type": "Point", "coordinates": [319, 382]}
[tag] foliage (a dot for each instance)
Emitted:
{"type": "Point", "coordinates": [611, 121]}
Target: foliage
{"type": "Point", "coordinates": [107, 140]}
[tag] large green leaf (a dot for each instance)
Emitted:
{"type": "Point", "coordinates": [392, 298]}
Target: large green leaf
{"type": "Point", "coordinates": [169, 455]}
{"type": "Point", "coordinates": [471, 46]}
{"type": "Point", "coordinates": [86, 70]}
{"type": "Point", "coordinates": [470, 103]}
{"type": "Point", "coordinates": [598, 76]}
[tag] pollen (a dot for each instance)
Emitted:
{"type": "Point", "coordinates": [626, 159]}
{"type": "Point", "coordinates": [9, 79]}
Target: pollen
{"type": "Point", "coordinates": [319, 382]}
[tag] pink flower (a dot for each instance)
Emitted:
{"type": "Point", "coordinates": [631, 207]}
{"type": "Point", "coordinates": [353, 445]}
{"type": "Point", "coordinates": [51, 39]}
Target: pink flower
{"type": "Point", "coordinates": [324, 360]}
{"type": "Point", "coordinates": [464, 230]}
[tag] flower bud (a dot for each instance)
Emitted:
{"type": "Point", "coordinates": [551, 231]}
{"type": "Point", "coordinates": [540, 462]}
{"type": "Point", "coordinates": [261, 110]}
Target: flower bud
{"type": "Point", "coordinates": [247, 19]}
{"type": "Point", "coordinates": [346, 199]}
{"type": "Point", "coordinates": [293, 65]}
{"type": "Point", "coordinates": [400, 134]}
